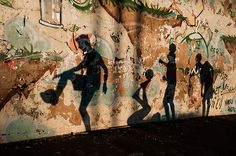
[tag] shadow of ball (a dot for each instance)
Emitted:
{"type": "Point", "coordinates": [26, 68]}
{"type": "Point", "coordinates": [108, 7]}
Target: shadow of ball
{"type": "Point", "coordinates": [149, 74]}
{"type": "Point", "coordinates": [49, 96]}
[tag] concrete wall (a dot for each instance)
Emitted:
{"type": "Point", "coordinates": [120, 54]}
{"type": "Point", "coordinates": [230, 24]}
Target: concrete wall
{"type": "Point", "coordinates": [38, 43]}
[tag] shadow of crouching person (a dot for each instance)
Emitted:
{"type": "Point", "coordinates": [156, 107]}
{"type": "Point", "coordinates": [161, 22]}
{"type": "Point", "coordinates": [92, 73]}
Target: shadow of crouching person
{"type": "Point", "coordinates": [138, 116]}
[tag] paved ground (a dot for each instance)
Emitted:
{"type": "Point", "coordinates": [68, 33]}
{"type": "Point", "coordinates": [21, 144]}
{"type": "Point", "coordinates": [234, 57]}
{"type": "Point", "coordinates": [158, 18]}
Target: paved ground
{"type": "Point", "coordinates": [199, 136]}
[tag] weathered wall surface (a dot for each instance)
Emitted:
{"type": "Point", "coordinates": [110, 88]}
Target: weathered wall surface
{"type": "Point", "coordinates": [38, 43]}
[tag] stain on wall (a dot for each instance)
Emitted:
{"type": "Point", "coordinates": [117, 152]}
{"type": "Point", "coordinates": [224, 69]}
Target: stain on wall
{"type": "Point", "coordinates": [79, 65]}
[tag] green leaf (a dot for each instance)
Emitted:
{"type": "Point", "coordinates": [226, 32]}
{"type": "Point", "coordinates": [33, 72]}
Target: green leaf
{"type": "Point", "coordinates": [3, 56]}
{"type": "Point", "coordinates": [74, 28]}
{"type": "Point", "coordinates": [219, 12]}
{"type": "Point", "coordinates": [7, 3]}
{"type": "Point", "coordinates": [229, 38]}
{"type": "Point", "coordinates": [115, 38]}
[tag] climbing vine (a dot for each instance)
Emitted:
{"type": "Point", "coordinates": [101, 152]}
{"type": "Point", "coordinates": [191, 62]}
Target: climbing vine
{"type": "Point", "coordinates": [7, 3]}
{"type": "Point", "coordinates": [140, 6]}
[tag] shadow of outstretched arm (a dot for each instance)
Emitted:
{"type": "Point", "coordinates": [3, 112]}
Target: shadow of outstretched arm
{"type": "Point", "coordinates": [52, 96]}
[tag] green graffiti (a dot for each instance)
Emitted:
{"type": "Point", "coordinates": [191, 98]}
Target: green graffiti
{"type": "Point", "coordinates": [230, 10]}
{"type": "Point", "coordinates": [31, 54]}
{"type": "Point", "coordinates": [115, 37]}
{"type": "Point", "coordinates": [217, 71]}
{"type": "Point", "coordinates": [189, 40]}
{"type": "Point", "coordinates": [139, 6]}
{"type": "Point", "coordinates": [7, 3]}
{"type": "Point", "coordinates": [3, 56]}
{"type": "Point", "coordinates": [184, 71]}
{"type": "Point", "coordinates": [74, 29]}
{"type": "Point", "coordinates": [219, 12]}
{"type": "Point", "coordinates": [84, 6]}
{"type": "Point", "coordinates": [231, 109]}
{"type": "Point", "coordinates": [181, 17]}
{"type": "Point", "coordinates": [21, 33]}
{"type": "Point", "coordinates": [23, 128]}
{"type": "Point", "coordinates": [53, 56]}
{"type": "Point", "coordinates": [229, 38]}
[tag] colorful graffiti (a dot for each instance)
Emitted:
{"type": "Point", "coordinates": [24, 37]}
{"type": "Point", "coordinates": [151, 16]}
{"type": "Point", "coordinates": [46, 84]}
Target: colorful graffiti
{"type": "Point", "coordinates": [113, 63]}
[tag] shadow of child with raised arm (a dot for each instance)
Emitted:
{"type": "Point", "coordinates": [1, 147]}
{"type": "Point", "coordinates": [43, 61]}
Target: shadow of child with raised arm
{"type": "Point", "coordinates": [171, 82]}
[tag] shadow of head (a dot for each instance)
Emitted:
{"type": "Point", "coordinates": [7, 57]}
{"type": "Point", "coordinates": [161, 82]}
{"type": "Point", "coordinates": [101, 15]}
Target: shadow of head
{"type": "Point", "coordinates": [172, 48]}
{"type": "Point", "coordinates": [83, 42]}
{"type": "Point", "coordinates": [198, 58]}
{"type": "Point", "coordinates": [149, 74]}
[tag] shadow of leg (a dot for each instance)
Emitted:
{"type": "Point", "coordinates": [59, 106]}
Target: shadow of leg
{"type": "Point", "coordinates": [166, 107]}
{"type": "Point", "coordinates": [138, 116]}
{"type": "Point", "coordinates": [208, 107]}
{"type": "Point", "coordinates": [87, 95]}
{"type": "Point", "coordinates": [172, 107]}
{"type": "Point", "coordinates": [85, 117]}
{"type": "Point", "coordinates": [203, 107]}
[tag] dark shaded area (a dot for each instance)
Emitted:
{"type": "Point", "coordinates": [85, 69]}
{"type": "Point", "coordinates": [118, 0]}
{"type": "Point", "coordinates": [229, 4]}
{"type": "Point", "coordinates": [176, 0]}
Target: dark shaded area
{"type": "Point", "coordinates": [200, 136]}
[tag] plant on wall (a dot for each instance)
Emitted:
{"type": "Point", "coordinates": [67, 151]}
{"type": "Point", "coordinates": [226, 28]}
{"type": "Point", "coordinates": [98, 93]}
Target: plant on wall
{"type": "Point", "coordinates": [3, 56]}
{"type": "Point", "coordinates": [140, 6]}
{"type": "Point", "coordinates": [231, 11]}
{"type": "Point", "coordinates": [7, 3]}
{"type": "Point", "coordinates": [31, 54]}
{"type": "Point", "coordinates": [229, 38]}
{"type": "Point", "coordinates": [28, 53]}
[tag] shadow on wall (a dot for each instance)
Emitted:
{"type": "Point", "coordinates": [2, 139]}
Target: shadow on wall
{"type": "Point", "coordinates": [168, 101]}
{"type": "Point", "coordinates": [87, 83]}
{"type": "Point", "coordinates": [204, 73]}
{"type": "Point", "coordinates": [138, 116]}
{"type": "Point", "coordinates": [207, 85]}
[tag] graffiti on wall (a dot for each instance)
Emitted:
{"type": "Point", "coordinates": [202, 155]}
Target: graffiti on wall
{"type": "Point", "coordinates": [113, 63]}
